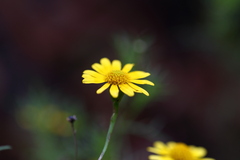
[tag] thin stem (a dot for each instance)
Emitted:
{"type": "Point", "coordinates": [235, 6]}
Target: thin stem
{"type": "Point", "coordinates": [112, 123]}
{"type": "Point", "coordinates": [110, 129]}
{"type": "Point", "coordinates": [75, 140]}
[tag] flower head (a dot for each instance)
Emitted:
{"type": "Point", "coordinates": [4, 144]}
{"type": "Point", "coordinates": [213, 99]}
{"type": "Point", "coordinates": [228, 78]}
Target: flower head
{"type": "Point", "coordinates": [116, 77]}
{"type": "Point", "coordinates": [71, 119]}
{"type": "Point", "coordinates": [176, 151]}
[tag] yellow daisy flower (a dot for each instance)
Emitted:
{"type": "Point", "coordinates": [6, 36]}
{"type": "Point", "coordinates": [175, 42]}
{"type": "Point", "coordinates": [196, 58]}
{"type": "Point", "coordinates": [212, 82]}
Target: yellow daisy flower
{"type": "Point", "coordinates": [116, 77]}
{"type": "Point", "coordinates": [176, 151]}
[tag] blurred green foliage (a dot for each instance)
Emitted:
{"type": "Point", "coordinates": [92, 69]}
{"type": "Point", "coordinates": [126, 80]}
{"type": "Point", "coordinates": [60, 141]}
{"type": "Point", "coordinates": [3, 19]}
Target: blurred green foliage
{"type": "Point", "coordinates": [222, 32]}
{"type": "Point", "coordinates": [43, 114]}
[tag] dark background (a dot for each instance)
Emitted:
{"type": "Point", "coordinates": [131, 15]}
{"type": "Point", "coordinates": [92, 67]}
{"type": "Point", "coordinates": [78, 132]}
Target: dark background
{"type": "Point", "coordinates": [191, 48]}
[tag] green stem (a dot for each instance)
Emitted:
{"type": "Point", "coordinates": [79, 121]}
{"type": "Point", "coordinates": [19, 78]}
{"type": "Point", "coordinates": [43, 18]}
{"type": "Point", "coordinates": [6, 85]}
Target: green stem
{"type": "Point", "coordinates": [75, 140]}
{"type": "Point", "coordinates": [112, 123]}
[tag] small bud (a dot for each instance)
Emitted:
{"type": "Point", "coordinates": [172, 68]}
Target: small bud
{"type": "Point", "coordinates": [72, 119]}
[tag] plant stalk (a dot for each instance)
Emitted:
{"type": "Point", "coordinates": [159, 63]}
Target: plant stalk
{"type": "Point", "coordinates": [75, 140]}
{"type": "Point", "coordinates": [112, 123]}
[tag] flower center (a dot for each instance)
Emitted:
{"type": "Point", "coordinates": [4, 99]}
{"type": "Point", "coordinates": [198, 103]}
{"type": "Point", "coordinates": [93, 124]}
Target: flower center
{"type": "Point", "coordinates": [117, 77]}
{"type": "Point", "coordinates": [181, 152]}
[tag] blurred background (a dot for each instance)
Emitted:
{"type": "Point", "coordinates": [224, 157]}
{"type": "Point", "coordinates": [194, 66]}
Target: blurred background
{"type": "Point", "coordinates": [191, 48]}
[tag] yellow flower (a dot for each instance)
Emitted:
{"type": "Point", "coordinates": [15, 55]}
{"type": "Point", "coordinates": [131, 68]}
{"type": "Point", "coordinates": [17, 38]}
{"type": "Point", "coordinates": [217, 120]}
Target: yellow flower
{"type": "Point", "coordinates": [116, 77]}
{"type": "Point", "coordinates": [176, 151]}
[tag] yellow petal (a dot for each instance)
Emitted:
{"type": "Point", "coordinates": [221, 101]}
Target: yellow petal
{"type": "Point", "coordinates": [159, 144]}
{"type": "Point", "coordinates": [207, 159]}
{"type": "Point", "coordinates": [171, 144]}
{"type": "Point", "coordinates": [153, 150]}
{"type": "Point", "coordinates": [114, 91]}
{"type": "Point", "coordinates": [138, 89]}
{"type": "Point", "coordinates": [103, 88]}
{"type": "Point", "coordinates": [198, 151]}
{"type": "Point", "coordinates": [99, 68]}
{"type": "Point", "coordinates": [98, 77]}
{"type": "Point", "coordinates": [161, 147]}
{"type": "Point", "coordinates": [87, 76]}
{"type": "Point", "coordinates": [127, 67]}
{"type": "Point", "coordinates": [93, 74]}
{"type": "Point", "coordinates": [116, 65]}
{"type": "Point", "coordinates": [156, 157]}
{"type": "Point", "coordinates": [92, 80]}
{"type": "Point", "coordinates": [105, 62]}
{"type": "Point", "coordinates": [88, 71]}
{"type": "Point", "coordinates": [138, 74]}
{"type": "Point", "coordinates": [143, 82]}
{"type": "Point", "coordinates": [125, 88]}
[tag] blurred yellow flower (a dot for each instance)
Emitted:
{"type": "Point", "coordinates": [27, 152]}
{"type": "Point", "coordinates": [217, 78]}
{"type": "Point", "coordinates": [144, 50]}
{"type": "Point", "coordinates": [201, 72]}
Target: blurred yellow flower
{"type": "Point", "coordinates": [116, 77]}
{"type": "Point", "coordinates": [176, 151]}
